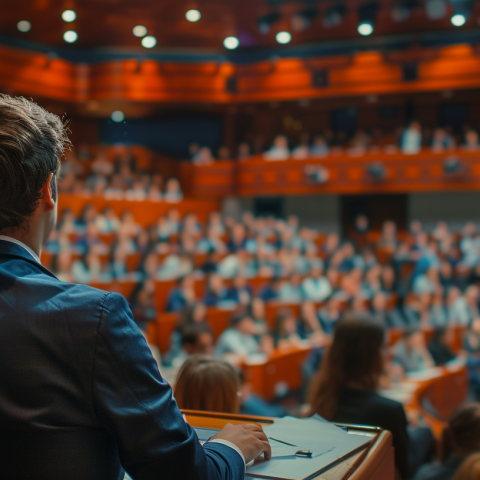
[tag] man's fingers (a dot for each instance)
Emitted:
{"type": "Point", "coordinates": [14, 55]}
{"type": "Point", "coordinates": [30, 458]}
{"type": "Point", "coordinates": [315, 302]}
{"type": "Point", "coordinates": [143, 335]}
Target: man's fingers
{"type": "Point", "coordinates": [261, 436]}
{"type": "Point", "coordinates": [267, 450]}
{"type": "Point", "coordinates": [253, 426]}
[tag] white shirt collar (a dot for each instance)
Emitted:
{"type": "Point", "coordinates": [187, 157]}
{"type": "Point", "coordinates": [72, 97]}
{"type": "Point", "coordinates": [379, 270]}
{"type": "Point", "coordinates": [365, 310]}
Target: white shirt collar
{"type": "Point", "coordinates": [20, 244]}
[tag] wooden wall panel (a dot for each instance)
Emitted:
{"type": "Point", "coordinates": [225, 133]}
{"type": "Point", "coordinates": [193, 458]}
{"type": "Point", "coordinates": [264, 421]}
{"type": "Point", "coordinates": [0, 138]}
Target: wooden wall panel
{"type": "Point", "coordinates": [37, 74]}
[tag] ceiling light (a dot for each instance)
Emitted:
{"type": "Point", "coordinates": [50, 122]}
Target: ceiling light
{"type": "Point", "coordinates": [461, 12]}
{"type": "Point", "coordinates": [193, 15]}
{"type": "Point", "coordinates": [69, 16]}
{"type": "Point", "coordinates": [231, 43]}
{"type": "Point", "coordinates": [70, 36]}
{"type": "Point", "coordinates": [283, 37]}
{"type": "Point", "coordinates": [24, 26]}
{"type": "Point", "coordinates": [365, 29]}
{"type": "Point", "coordinates": [118, 116]}
{"type": "Point", "coordinates": [149, 41]}
{"type": "Point", "coordinates": [139, 31]}
{"type": "Point", "coordinates": [367, 15]}
{"type": "Point", "coordinates": [458, 20]}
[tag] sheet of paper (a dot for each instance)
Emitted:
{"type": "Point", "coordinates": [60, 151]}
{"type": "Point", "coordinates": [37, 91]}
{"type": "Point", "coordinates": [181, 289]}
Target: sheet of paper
{"type": "Point", "coordinates": [296, 468]}
{"type": "Point", "coordinates": [301, 431]}
{"type": "Point", "coordinates": [327, 442]}
{"type": "Point", "coordinates": [279, 450]}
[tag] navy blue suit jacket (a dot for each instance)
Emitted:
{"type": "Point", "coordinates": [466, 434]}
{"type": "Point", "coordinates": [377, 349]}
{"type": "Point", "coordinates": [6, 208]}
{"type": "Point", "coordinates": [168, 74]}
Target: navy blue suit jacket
{"type": "Point", "coordinates": [80, 393]}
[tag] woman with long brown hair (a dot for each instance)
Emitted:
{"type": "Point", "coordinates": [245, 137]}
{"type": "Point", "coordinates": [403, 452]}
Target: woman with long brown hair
{"type": "Point", "coordinates": [345, 390]}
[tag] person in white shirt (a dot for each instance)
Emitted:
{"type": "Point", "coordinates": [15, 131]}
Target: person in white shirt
{"type": "Point", "coordinates": [411, 143]}
{"type": "Point", "coordinates": [279, 150]}
{"type": "Point", "coordinates": [316, 287]}
{"type": "Point", "coordinates": [239, 339]}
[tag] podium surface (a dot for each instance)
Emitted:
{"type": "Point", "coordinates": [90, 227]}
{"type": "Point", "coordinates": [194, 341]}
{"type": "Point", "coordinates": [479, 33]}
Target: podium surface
{"type": "Point", "coordinates": [376, 462]}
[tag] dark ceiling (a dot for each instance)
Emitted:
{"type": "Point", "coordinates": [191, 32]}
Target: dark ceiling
{"type": "Point", "coordinates": [107, 24]}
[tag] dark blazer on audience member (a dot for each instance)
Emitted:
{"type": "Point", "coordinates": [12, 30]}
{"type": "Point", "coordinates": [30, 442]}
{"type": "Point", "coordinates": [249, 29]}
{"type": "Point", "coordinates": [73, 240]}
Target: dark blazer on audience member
{"type": "Point", "coordinates": [440, 353]}
{"type": "Point", "coordinates": [368, 408]}
{"type": "Point", "coordinates": [80, 393]}
{"type": "Point", "coordinates": [435, 471]}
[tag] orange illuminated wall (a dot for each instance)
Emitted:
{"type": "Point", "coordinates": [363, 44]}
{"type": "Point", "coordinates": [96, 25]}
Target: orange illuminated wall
{"type": "Point", "coordinates": [35, 74]}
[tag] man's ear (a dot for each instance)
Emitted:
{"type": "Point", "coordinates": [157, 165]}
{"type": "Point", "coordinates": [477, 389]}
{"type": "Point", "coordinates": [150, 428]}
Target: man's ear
{"type": "Point", "coordinates": [48, 195]}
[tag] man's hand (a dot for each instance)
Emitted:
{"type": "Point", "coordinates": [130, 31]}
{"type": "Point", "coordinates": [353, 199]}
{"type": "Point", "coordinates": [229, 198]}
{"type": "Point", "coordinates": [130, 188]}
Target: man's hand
{"type": "Point", "coordinates": [249, 438]}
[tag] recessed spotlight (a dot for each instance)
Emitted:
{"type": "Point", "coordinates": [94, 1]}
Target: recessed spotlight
{"type": "Point", "coordinates": [367, 15]}
{"type": "Point", "coordinates": [193, 15]}
{"type": "Point", "coordinates": [69, 16]}
{"type": "Point", "coordinates": [70, 36]}
{"type": "Point", "coordinates": [458, 20]}
{"type": "Point", "coordinates": [139, 31]}
{"type": "Point", "coordinates": [118, 116]}
{"type": "Point", "coordinates": [365, 29]}
{"type": "Point", "coordinates": [283, 37]}
{"type": "Point", "coordinates": [231, 43]}
{"type": "Point", "coordinates": [24, 26]}
{"type": "Point", "coordinates": [149, 41]}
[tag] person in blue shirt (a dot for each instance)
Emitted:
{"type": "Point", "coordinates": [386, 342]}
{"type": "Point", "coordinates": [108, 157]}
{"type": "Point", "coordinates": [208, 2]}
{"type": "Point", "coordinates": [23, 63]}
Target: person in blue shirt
{"type": "Point", "coordinates": [216, 292]}
{"type": "Point", "coordinates": [182, 295]}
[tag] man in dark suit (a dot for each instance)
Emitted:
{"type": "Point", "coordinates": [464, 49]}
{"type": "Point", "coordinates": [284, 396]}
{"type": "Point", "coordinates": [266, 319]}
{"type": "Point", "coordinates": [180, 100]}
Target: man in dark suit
{"type": "Point", "coordinates": [80, 393]}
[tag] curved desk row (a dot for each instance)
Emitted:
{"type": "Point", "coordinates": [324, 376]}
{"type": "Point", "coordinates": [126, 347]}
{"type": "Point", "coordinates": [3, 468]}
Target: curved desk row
{"type": "Point", "coordinates": [346, 174]}
{"type": "Point", "coordinates": [145, 212]}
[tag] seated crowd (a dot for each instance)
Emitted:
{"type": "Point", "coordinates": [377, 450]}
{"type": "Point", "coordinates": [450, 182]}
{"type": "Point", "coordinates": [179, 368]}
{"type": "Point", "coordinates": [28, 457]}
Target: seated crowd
{"type": "Point", "coordinates": [404, 280]}
{"type": "Point", "coordinates": [415, 280]}
{"type": "Point", "coordinates": [349, 297]}
{"type": "Point", "coordinates": [357, 365]}
{"type": "Point", "coordinates": [122, 178]}
{"type": "Point", "coordinates": [409, 141]}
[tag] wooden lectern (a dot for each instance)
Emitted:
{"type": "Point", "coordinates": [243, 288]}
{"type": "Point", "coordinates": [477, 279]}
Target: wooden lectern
{"type": "Point", "coordinates": [375, 464]}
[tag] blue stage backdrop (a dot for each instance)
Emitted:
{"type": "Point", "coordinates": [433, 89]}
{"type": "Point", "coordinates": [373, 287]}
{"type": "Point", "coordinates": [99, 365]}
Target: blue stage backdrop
{"type": "Point", "coordinates": [171, 135]}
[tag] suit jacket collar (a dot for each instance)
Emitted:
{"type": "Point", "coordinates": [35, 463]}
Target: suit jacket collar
{"type": "Point", "coordinates": [12, 250]}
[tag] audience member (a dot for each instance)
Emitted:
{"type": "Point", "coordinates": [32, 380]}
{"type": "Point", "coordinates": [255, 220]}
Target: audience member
{"type": "Point", "coordinates": [411, 142]}
{"type": "Point", "coordinates": [344, 391]}
{"type": "Point", "coordinates": [440, 346]}
{"type": "Point", "coordinates": [330, 314]}
{"type": "Point", "coordinates": [279, 150]}
{"type": "Point", "coordinates": [471, 339]}
{"type": "Point", "coordinates": [286, 330]}
{"type": "Point", "coordinates": [203, 156]}
{"type": "Point", "coordinates": [460, 439]}
{"type": "Point", "coordinates": [469, 469]}
{"type": "Point", "coordinates": [215, 383]}
{"type": "Point", "coordinates": [319, 148]}
{"type": "Point", "coordinates": [316, 287]}
{"type": "Point", "coordinates": [239, 339]}
{"type": "Point", "coordinates": [412, 353]}
{"type": "Point", "coordinates": [216, 293]}
{"type": "Point", "coordinates": [182, 295]}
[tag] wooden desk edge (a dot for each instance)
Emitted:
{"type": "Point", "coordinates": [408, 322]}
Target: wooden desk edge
{"type": "Point", "coordinates": [377, 454]}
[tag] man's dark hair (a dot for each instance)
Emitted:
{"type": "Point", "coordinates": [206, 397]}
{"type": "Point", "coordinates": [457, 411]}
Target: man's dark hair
{"type": "Point", "coordinates": [239, 317]}
{"type": "Point", "coordinates": [190, 333]}
{"type": "Point", "coordinates": [32, 144]}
